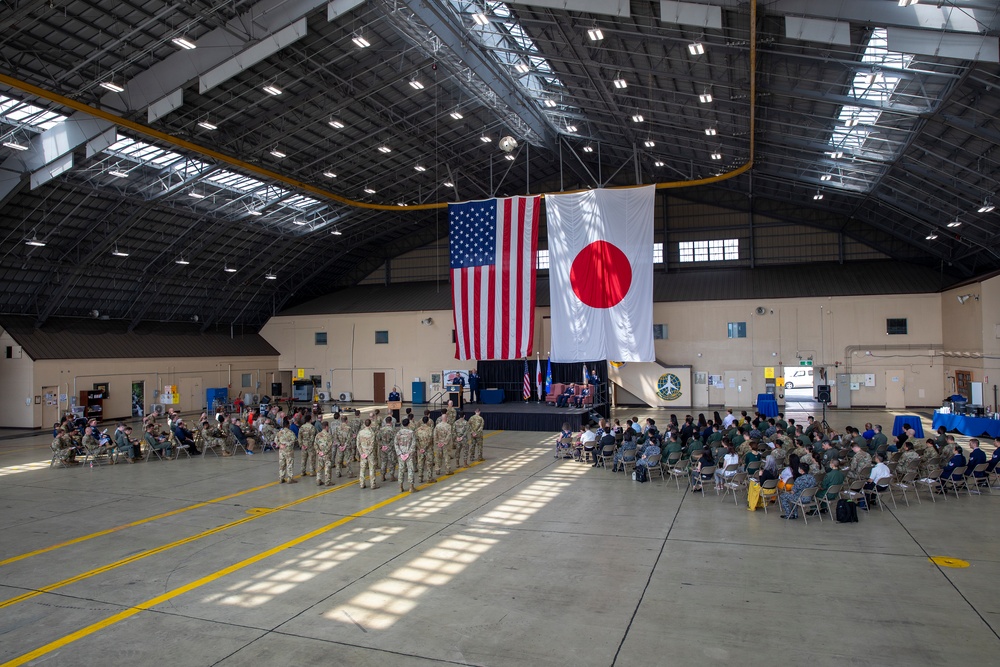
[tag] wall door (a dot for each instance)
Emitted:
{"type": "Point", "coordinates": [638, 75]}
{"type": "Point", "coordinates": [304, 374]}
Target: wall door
{"type": "Point", "coordinates": [843, 390]}
{"type": "Point", "coordinates": [378, 395]}
{"type": "Point", "coordinates": [50, 406]}
{"type": "Point", "coordinates": [895, 397]}
{"type": "Point", "coordinates": [192, 395]}
{"type": "Point", "coordinates": [738, 389]}
{"type": "Point", "coordinates": [963, 384]}
{"type": "Point", "coordinates": [699, 389]}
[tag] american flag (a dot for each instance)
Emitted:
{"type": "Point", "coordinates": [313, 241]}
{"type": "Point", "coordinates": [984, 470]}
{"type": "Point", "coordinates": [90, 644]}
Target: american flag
{"type": "Point", "coordinates": [492, 247]}
{"type": "Point", "coordinates": [527, 382]}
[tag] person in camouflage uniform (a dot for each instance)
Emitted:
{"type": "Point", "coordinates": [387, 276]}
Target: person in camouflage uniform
{"type": "Point", "coordinates": [285, 442]}
{"type": "Point", "coordinates": [450, 415]}
{"type": "Point", "coordinates": [461, 440]}
{"type": "Point", "coordinates": [267, 434]}
{"type": "Point", "coordinates": [307, 442]}
{"type": "Point", "coordinates": [213, 437]}
{"type": "Point", "coordinates": [909, 460]}
{"type": "Point", "coordinates": [444, 441]}
{"type": "Point", "coordinates": [405, 449]}
{"type": "Point", "coordinates": [386, 438]}
{"type": "Point", "coordinates": [324, 455]}
{"type": "Point", "coordinates": [862, 459]}
{"type": "Point", "coordinates": [366, 454]}
{"type": "Point", "coordinates": [476, 426]}
{"type": "Point", "coordinates": [344, 446]}
{"type": "Point", "coordinates": [424, 435]}
{"type": "Point", "coordinates": [65, 448]}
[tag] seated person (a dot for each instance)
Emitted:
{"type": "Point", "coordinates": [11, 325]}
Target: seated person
{"type": "Point", "coordinates": [562, 401]}
{"type": "Point", "coordinates": [564, 442]}
{"type": "Point", "coordinates": [652, 449]}
{"type": "Point", "coordinates": [585, 443]}
{"type": "Point", "coordinates": [578, 399]}
{"type": "Point", "coordinates": [607, 440]}
{"type": "Point", "coordinates": [91, 443]}
{"type": "Point", "coordinates": [956, 461]}
{"type": "Point", "coordinates": [803, 480]}
{"type": "Point", "coordinates": [213, 437]}
{"type": "Point", "coordinates": [156, 442]}
{"type": "Point", "coordinates": [237, 432]}
{"type": "Point", "coordinates": [626, 454]}
{"type": "Point", "coordinates": [833, 477]}
{"type": "Point", "coordinates": [879, 478]}
{"type": "Point", "coordinates": [728, 459]}
{"type": "Point", "coordinates": [991, 465]}
{"type": "Point", "coordinates": [697, 476]}
{"type": "Point", "coordinates": [753, 455]}
{"type": "Point", "coordinates": [185, 439]}
{"type": "Point", "coordinates": [64, 447]}
{"type": "Point", "coordinates": [976, 457]}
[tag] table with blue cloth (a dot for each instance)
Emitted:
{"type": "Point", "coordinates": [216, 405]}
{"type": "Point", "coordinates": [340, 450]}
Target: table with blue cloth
{"type": "Point", "coordinates": [973, 426]}
{"type": "Point", "coordinates": [491, 396]}
{"type": "Point", "coordinates": [767, 405]}
{"type": "Point", "coordinates": [912, 420]}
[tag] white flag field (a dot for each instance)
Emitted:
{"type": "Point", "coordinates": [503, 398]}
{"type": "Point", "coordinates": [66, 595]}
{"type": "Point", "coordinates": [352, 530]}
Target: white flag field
{"type": "Point", "coordinates": [601, 274]}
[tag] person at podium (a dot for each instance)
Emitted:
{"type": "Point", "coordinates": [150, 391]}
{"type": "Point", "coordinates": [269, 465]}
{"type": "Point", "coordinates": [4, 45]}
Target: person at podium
{"type": "Point", "coordinates": [395, 397]}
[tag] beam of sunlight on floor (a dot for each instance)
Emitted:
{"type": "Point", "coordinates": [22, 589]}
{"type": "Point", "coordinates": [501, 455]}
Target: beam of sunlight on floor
{"type": "Point", "coordinates": [24, 467]}
{"type": "Point", "coordinates": [435, 499]}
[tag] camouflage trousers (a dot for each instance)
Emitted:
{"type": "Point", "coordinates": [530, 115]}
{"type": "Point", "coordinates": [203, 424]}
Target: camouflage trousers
{"type": "Point", "coordinates": [461, 453]}
{"type": "Point", "coordinates": [367, 469]}
{"type": "Point", "coordinates": [425, 464]}
{"type": "Point", "coordinates": [476, 448]}
{"type": "Point", "coordinates": [387, 463]}
{"type": "Point", "coordinates": [324, 467]}
{"type": "Point", "coordinates": [406, 473]}
{"type": "Point", "coordinates": [308, 460]}
{"type": "Point", "coordinates": [442, 458]}
{"type": "Point", "coordinates": [286, 463]}
{"type": "Point", "coordinates": [342, 459]}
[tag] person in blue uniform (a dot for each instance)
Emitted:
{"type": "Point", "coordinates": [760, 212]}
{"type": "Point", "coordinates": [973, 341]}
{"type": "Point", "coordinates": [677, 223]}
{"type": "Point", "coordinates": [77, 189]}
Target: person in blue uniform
{"type": "Point", "coordinates": [474, 386]}
{"type": "Point", "coordinates": [394, 395]}
{"type": "Point", "coordinates": [976, 457]}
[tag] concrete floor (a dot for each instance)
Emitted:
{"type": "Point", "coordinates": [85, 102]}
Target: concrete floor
{"type": "Point", "coordinates": [521, 560]}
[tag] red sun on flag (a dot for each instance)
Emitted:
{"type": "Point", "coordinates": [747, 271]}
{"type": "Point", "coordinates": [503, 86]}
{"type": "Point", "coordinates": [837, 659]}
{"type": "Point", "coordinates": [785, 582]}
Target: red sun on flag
{"type": "Point", "coordinates": [601, 275]}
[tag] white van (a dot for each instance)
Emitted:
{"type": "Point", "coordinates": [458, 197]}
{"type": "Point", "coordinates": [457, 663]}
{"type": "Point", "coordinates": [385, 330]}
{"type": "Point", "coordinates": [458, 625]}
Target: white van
{"type": "Point", "coordinates": [801, 377]}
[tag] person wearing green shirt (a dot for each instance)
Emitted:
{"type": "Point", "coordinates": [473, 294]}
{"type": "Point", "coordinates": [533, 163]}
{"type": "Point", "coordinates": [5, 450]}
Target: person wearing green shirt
{"type": "Point", "coordinates": [832, 478]}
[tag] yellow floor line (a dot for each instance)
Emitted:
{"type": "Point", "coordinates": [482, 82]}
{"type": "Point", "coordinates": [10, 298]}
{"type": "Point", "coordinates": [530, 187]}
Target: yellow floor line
{"type": "Point", "coordinates": [166, 547]}
{"type": "Point", "coordinates": [209, 578]}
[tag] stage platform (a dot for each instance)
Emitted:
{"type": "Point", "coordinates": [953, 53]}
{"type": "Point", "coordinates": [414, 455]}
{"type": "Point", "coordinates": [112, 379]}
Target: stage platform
{"type": "Point", "coordinates": [524, 416]}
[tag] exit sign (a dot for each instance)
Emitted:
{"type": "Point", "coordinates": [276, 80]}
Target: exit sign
{"type": "Point", "coordinates": [805, 362]}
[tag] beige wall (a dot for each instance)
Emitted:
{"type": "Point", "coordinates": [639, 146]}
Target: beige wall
{"type": "Point", "coordinates": [72, 376]}
{"type": "Point", "coordinates": [17, 390]}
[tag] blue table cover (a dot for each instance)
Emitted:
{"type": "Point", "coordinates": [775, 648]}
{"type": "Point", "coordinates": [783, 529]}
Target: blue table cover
{"type": "Point", "coordinates": [912, 420]}
{"type": "Point", "coordinates": [974, 426]}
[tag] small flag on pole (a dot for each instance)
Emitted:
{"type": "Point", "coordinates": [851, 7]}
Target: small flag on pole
{"type": "Point", "coordinates": [538, 377]}
{"type": "Point", "coordinates": [586, 376]}
{"type": "Point", "coordinates": [548, 376]}
{"type": "Point", "coordinates": [527, 382]}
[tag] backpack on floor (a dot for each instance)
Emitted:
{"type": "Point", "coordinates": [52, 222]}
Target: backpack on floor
{"type": "Point", "coordinates": [847, 512]}
{"type": "Point", "coordinates": [640, 474]}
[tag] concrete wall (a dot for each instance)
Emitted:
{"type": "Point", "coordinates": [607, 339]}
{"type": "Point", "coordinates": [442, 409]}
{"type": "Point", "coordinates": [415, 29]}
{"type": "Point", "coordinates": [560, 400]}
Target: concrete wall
{"type": "Point", "coordinates": [17, 389]}
{"type": "Point", "coordinates": [27, 378]}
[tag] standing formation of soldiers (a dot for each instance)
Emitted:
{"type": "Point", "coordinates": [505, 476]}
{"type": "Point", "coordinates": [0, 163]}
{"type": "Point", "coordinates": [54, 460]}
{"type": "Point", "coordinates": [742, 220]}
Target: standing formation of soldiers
{"type": "Point", "coordinates": [412, 452]}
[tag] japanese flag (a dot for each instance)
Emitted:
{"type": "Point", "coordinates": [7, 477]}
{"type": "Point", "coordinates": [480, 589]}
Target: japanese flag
{"type": "Point", "coordinates": [601, 274]}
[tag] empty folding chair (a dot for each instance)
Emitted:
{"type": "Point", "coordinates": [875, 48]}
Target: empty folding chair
{"type": "Point", "coordinates": [678, 470]}
{"type": "Point", "coordinates": [734, 484]}
{"type": "Point", "coordinates": [932, 482]}
{"type": "Point", "coordinates": [903, 486]}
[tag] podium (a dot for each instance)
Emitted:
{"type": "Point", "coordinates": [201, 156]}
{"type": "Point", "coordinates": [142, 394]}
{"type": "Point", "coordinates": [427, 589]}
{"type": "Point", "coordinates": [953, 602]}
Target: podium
{"type": "Point", "coordinates": [453, 394]}
{"type": "Point", "coordinates": [394, 408]}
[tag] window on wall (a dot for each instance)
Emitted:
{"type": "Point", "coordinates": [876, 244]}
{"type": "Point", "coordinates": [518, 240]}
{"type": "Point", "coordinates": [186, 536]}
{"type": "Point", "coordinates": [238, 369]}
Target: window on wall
{"type": "Point", "coordinates": [895, 326]}
{"type": "Point", "coordinates": [247, 380]}
{"type": "Point", "coordinates": [321, 338]}
{"type": "Point", "coordinates": [657, 253]}
{"type": "Point", "coordinates": [543, 259]}
{"type": "Point", "coordinates": [718, 250]}
{"type": "Point", "coordinates": [381, 337]}
{"type": "Point", "coordinates": [659, 332]}
{"type": "Point", "coordinates": [737, 329]}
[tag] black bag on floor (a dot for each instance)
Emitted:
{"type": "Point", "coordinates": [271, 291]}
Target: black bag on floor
{"type": "Point", "coordinates": [847, 512]}
{"type": "Point", "coordinates": [640, 474]}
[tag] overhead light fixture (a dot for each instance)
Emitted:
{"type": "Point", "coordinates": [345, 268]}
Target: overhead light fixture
{"type": "Point", "coordinates": [272, 89]}
{"type": "Point", "coordinates": [254, 212]}
{"type": "Point", "coordinates": [716, 156]}
{"type": "Point", "coordinates": [419, 167]}
{"type": "Point", "coordinates": [184, 43]}
{"type": "Point", "coordinates": [931, 236]}
{"type": "Point", "coordinates": [334, 123]}
{"type": "Point", "coordinates": [705, 97]}
{"type": "Point", "coordinates": [276, 153]}
{"type": "Point", "coordinates": [298, 222]}
{"type": "Point", "coordinates": [336, 232]}
{"type": "Point", "coordinates": [480, 18]}
{"type": "Point", "coordinates": [711, 131]}
{"type": "Point", "coordinates": [34, 242]}
{"type": "Point", "coordinates": [595, 34]}
{"type": "Point", "coordinates": [456, 114]}
{"type": "Point", "coordinates": [523, 67]}
{"type": "Point", "coordinates": [181, 261]}
{"type": "Point", "coordinates": [117, 173]}
{"type": "Point", "coordinates": [637, 118]}
{"type": "Point", "coordinates": [588, 149]}
{"type": "Point", "coordinates": [401, 203]}
{"type": "Point", "coordinates": [448, 184]}
{"type": "Point", "coordinates": [955, 223]}
{"type": "Point", "coordinates": [826, 177]}
{"type": "Point", "coordinates": [649, 143]}
{"type": "Point", "coordinates": [384, 149]}
{"type": "Point", "coordinates": [549, 102]}
{"type": "Point", "coordinates": [485, 138]}
{"type": "Point", "coordinates": [270, 276]}
{"type": "Point", "coordinates": [228, 269]}
{"type": "Point", "coordinates": [370, 191]}
{"type": "Point", "coordinates": [571, 128]}
{"type": "Point", "coordinates": [987, 206]}
{"type": "Point", "coordinates": [817, 196]}
{"type": "Point", "coordinates": [360, 41]}
{"type": "Point", "coordinates": [416, 85]}
{"type": "Point", "coordinates": [207, 125]}
{"type": "Point", "coordinates": [620, 83]}
{"type": "Point", "coordinates": [119, 253]}
{"type": "Point", "coordinates": [329, 174]}
{"type": "Point", "coordinates": [510, 157]}
{"type": "Point", "coordinates": [696, 48]}
{"type": "Point", "coordinates": [962, 298]}
{"type": "Point", "coordinates": [658, 163]}
{"type": "Point", "coordinates": [196, 195]}
{"type": "Point", "coordinates": [907, 3]}
{"type": "Point", "coordinates": [836, 155]}
{"type": "Point", "coordinates": [15, 145]}
{"type": "Point", "coordinates": [112, 86]}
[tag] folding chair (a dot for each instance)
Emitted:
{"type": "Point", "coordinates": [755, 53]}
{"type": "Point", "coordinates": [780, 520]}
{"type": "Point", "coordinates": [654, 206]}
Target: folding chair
{"type": "Point", "coordinates": [979, 482]}
{"type": "Point", "coordinates": [753, 467]}
{"type": "Point", "coordinates": [563, 447]}
{"type": "Point", "coordinates": [178, 447]}
{"type": "Point", "coordinates": [933, 484]}
{"type": "Point", "coordinates": [873, 495]}
{"type": "Point", "coordinates": [769, 493]}
{"type": "Point", "coordinates": [653, 465]}
{"type": "Point", "coordinates": [830, 503]}
{"type": "Point", "coordinates": [735, 483]}
{"type": "Point", "coordinates": [903, 486]}
{"type": "Point", "coordinates": [627, 466]}
{"type": "Point", "coordinates": [806, 501]}
{"type": "Point", "coordinates": [606, 456]}
{"type": "Point", "coordinates": [151, 451]}
{"type": "Point", "coordinates": [706, 475]}
{"type": "Point", "coordinates": [855, 492]}
{"type": "Point", "coordinates": [233, 445]}
{"type": "Point", "coordinates": [678, 470]}
{"type": "Point", "coordinates": [953, 483]}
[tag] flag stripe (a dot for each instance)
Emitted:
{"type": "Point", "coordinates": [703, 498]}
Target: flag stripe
{"type": "Point", "coordinates": [461, 338]}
